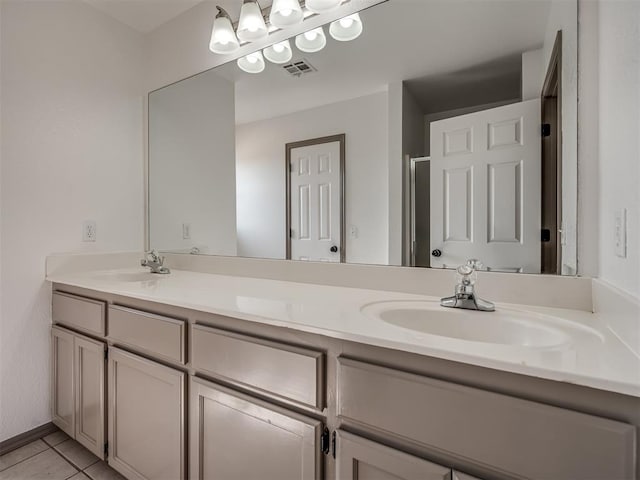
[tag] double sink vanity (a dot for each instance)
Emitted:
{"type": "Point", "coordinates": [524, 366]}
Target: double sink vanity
{"type": "Point", "coordinates": [205, 376]}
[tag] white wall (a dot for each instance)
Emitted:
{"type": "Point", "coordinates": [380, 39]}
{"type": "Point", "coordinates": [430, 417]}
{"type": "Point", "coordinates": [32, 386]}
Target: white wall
{"type": "Point", "coordinates": [192, 165]}
{"type": "Point", "coordinates": [619, 139]}
{"type": "Point", "coordinates": [532, 74]}
{"type": "Point", "coordinates": [71, 128]}
{"type": "Point", "coordinates": [261, 176]}
{"type": "Point", "coordinates": [395, 167]}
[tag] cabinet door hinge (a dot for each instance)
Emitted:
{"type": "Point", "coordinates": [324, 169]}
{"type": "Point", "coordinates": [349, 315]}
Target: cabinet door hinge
{"type": "Point", "coordinates": [106, 448]}
{"type": "Point", "coordinates": [324, 441]}
{"type": "Point", "coordinates": [333, 444]}
{"type": "Point", "coordinates": [546, 129]}
{"type": "Point", "coordinates": [106, 354]}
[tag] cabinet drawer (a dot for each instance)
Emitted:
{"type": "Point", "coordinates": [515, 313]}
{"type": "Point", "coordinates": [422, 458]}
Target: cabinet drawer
{"type": "Point", "coordinates": [80, 313]}
{"type": "Point", "coordinates": [511, 435]}
{"type": "Point", "coordinates": [154, 334]}
{"type": "Point", "coordinates": [280, 370]}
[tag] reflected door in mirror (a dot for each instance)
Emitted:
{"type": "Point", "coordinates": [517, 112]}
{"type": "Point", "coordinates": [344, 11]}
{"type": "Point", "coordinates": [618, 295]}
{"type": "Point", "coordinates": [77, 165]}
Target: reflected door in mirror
{"type": "Point", "coordinates": [315, 201]}
{"type": "Point", "coordinates": [485, 188]}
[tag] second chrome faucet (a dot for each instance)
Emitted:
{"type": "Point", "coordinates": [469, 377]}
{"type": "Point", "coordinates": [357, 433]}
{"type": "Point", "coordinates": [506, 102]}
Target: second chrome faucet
{"type": "Point", "coordinates": [155, 262]}
{"type": "Point", "coordinates": [465, 296]}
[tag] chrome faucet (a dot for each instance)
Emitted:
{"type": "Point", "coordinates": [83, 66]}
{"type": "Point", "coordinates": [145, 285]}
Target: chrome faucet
{"type": "Point", "coordinates": [155, 262]}
{"type": "Point", "coordinates": [465, 296]}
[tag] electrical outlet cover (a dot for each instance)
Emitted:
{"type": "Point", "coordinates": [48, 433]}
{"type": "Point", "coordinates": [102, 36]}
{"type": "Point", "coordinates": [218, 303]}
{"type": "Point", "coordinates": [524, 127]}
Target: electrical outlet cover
{"type": "Point", "coordinates": [89, 233]}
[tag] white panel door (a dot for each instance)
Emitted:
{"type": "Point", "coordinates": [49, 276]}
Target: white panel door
{"type": "Point", "coordinates": [315, 202]}
{"type": "Point", "coordinates": [485, 188]}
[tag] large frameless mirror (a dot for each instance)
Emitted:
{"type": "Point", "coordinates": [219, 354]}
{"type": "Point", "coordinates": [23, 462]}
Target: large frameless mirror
{"type": "Point", "coordinates": [419, 133]}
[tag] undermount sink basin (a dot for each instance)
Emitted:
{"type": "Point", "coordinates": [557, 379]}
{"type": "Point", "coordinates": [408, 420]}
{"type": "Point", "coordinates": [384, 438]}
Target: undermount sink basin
{"type": "Point", "coordinates": [503, 327]}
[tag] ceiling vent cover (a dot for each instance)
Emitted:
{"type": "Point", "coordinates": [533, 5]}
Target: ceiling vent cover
{"type": "Point", "coordinates": [299, 68]}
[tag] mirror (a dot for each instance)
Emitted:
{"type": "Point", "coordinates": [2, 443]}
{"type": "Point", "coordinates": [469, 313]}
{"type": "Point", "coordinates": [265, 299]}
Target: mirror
{"type": "Point", "coordinates": [447, 130]}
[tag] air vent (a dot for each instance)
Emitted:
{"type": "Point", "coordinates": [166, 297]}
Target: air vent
{"type": "Point", "coordinates": [299, 68]}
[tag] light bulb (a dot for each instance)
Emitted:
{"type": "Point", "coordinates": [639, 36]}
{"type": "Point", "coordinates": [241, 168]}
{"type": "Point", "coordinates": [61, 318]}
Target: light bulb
{"type": "Point", "coordinates": [223, 38]}
{"type": "Point", "coordinates": [347, 28]}
{"type": "Point", "coordinates": [311, 41]}
{"type": "Point", "coordinates": [279, 53]}
{"type": "Point", "coordinates": [285, 13]}
{"type": "Point", "coordinates": [322, 6]}
{"type": "Point", "coordinates": [251, 26]}
{"type": "Point", "coordinates": [346, 22]}
{"type": "Point", "coordinates": [252, 63]}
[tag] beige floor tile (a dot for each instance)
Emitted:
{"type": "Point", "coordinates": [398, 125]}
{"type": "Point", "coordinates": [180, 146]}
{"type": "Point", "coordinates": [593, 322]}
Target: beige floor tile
{"type": "Point", "coordinates": [45, 465]}
{"type": "Point", "coordinates": [56, 438]}
{"type": "Point", "coordinates": [76, 454]}
{"type": "Point", "coordinates": [22, 453]}
{"type": "Point", "coordinates": [79, 476]}
{"type": "Point", "coordinates": [102, 471]}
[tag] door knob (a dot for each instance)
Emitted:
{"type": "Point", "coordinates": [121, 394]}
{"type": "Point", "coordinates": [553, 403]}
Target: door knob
{"type": "Point", "coordinates": [437, 253]}
{"type": "Point", "coordinates": [334, 249]}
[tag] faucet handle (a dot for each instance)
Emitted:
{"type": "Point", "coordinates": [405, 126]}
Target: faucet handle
{"type": "Point", "coordinates": [475, 264]}
{"type": "Point", "coordinates": [466, 275]}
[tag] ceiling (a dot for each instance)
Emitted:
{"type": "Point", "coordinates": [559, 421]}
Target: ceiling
{"type": "Point", "coordinates": [143, 15]}
{"type": "Point", "coordinates": [452, 53]}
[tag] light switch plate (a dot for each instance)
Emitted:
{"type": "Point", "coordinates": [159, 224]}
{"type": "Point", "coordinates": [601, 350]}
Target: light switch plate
{"type": "Point", "coordinates": [620, 232]}
{"type": "Point", "coordinates": [186, 231]}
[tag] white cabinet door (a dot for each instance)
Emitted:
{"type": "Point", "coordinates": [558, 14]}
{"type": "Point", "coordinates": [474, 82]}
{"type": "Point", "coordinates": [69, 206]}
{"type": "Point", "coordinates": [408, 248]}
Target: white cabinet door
{"type": "Point", "coordinates": [237, 437]}
{"type": "Point", "coordinates": [315, 186]}
{"type": "Point", "coordinates": [146, 418]}
{"type": "Point", "coordinates": [62, 375]}
{"type": "Point", "coordinates": [90, 394]}
{"type": "Point", "coordinates": [360, 459]}
{"type": "Point", "coordinates": [486, 188]}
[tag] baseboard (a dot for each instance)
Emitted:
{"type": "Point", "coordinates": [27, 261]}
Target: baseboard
{"type": "Point", "coordinates": [27, 437]}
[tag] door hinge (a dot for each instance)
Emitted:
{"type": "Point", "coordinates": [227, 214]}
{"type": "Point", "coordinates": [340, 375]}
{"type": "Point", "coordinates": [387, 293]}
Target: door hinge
{"type": "Point", "coordinates": [324, 441]}
{"type": "Point", "coordinates": [106, 354]}
{"type": "Point", "coordinates": [546, 129]}
{"type": "Point", "coordinates": [333, 444]}
{"type": "Point", "coordinates": [106, 448]}
{"type": "Point", "coordinates": [546, 235]}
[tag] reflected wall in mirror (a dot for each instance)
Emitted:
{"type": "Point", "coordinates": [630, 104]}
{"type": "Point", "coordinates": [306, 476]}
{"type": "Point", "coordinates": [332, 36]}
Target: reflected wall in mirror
{"type": "Point", "coordinates": [446, 131]}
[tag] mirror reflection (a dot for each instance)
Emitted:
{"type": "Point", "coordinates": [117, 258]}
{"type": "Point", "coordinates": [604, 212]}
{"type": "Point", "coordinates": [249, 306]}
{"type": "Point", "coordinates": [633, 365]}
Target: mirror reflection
{"type": "Point", "coordinates": [424, 133]}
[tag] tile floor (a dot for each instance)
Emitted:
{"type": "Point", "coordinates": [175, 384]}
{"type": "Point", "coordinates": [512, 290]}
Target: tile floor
{"type": "Point", "coordinates": [55, 457]}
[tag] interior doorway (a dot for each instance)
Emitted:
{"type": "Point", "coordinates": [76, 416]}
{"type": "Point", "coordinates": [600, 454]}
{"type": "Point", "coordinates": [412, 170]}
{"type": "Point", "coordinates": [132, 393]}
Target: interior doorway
{"type": "Point", "coordinates": [315, 206]}
{"type": "Point", "coordinates": [551, 213]}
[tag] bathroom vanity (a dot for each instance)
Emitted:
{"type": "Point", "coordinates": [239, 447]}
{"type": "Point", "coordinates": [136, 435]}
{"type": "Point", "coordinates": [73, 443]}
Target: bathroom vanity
{"type": "Point", "coordinates": [195, 375]}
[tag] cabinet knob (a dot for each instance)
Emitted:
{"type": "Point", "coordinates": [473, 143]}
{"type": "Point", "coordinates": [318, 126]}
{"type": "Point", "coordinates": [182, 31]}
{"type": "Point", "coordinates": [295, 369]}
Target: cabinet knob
{"type": "Point", "coordinates": [437, 253]}
{"type": "Point", "coordinates": [334, 249]}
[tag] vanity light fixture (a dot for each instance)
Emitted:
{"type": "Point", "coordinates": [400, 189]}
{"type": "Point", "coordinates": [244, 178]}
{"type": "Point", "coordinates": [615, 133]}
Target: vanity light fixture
{"type": "Point", "coordinates": [311, 41]}
{"type": "Point", "coordinates": [285, 13]}
{"type": "Point", "coordinates": [322, 6]}
{"type": "Point", "coordinates": [347, 28]}
{"type": "Point", "coordinates": [279, 53]}
{"type": "Point", "coordinates": [251, 26]}
{"type": "Point", "coordinates": [223, 37]}
{"type": "Point", "coordinates": [252, 63]}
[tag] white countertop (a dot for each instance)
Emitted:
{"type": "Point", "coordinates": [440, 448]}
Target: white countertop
{"type": "Point", "coordinates": [594, 357]}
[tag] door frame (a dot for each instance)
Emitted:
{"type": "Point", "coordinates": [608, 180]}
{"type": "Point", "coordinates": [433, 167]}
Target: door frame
{"type": "Point", "coordinates": [341, 139]}
{"type": "Point", "coordinates": [412, 207]}
{"type": "Point", "coordinates": [551, 194]}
